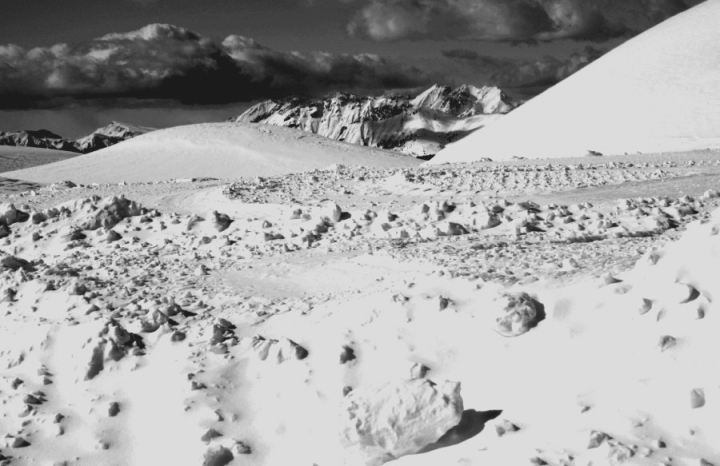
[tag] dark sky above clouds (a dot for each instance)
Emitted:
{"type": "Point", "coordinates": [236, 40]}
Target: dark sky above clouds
{"type": "Point", "coordinates": [71, 65]}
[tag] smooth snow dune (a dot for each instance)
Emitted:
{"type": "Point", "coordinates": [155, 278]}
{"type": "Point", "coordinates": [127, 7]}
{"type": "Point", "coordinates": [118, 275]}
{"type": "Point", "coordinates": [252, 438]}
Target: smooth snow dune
{"type": "Point", "coordinates": [219, 150]}
{"type": "Point", "coordinates": [17, 158]}
{"type": "Point", "coordinates": [657, 92]}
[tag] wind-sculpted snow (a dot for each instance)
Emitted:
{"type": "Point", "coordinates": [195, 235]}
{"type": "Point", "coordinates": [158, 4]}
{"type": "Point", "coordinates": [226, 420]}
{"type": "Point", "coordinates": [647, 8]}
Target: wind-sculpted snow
{"type": "Point", "coordinates": [219, 150]}
{"type": "Point", "coordinates": [497, 179]}
{"type": "Point", "coordinates": [315, 318]}
{"type": "Point", "coordinates": [399, 418]}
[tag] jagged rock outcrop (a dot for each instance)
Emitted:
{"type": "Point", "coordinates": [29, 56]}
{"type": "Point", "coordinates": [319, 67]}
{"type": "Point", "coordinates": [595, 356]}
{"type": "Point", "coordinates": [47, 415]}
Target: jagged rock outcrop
{"type": "Point", "coordinates": [418, 126]}
{"type": "Point", "coordinates": [42, 139]}
{"type": "Point", "coordinates": [109, 135]}
{"type": "Point", "coordinates": [106, 136]}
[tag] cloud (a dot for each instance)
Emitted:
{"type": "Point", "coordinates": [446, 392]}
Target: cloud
{"type": "Point", "coordinates": [540, 73]}
{"type": "Point", "coordinates": [319, 72]}
{"type": "Point", "coordinates": [164, 62]}
{"type": "Point", "coordinates": [145, 3]}
{"type": "Point", "coordinates": [510, 20]}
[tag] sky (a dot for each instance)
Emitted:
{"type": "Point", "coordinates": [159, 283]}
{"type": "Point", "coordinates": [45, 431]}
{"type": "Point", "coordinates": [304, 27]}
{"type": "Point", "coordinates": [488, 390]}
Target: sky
{"type": "Point", "coordinates": [71, 66]}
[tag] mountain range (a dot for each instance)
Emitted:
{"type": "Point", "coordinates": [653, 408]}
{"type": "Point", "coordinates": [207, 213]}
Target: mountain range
{"type": "Point", "coordinates": [106, 136]}
{"type": "Point", "coordinates": [419, 126]}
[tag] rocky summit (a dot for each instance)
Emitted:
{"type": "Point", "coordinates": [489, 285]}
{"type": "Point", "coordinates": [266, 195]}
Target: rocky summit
{"type": "Point", "coordinates": [106, 136]}
{"type": "Point", "coordinates": [418, 126]}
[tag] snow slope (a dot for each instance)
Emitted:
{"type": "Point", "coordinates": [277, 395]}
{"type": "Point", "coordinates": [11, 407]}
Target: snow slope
{"type": "Point", "coordinates": [220, 150]}
{"type": "Point", "coordinates": [420, 126]}
{"type": "Point", "coordinates": [17, 158]}
{"type": "Point", "coordinates": [656, 93]}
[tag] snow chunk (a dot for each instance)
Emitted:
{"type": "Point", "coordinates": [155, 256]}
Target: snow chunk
{"type": "Point", "coordinates": [279, 351]}
{"type": "Point", "coordinates": [515, 314]}
{"type": "Point", "coordinates": [399, 418]}
{"type": "Point", "coordinates": [331, 212]}
{"type": "Point", "coordinates": [217, 456]}
{"type": "Point", "coordinates": [221, 222]}
{"type": "Point", "coordinates": [111, 212]}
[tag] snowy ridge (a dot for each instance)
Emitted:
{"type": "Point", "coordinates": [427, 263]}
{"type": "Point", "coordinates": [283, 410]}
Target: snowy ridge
{"type": "Point", "coordinates": [218, 150]}
{"type": "Point", "coordinates": [464, 101]}
{"type": "Point", "coordinates": [654, 93]}
{"type": "Point", "coordinates": [418, 127]}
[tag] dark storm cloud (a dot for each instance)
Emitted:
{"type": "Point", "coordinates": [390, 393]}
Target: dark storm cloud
{"type": "Point", "coordinates": [542, 72]}
{"type": "Point", "coordinates": [161, 62]}
{"type": "Point", "coordinates": [510, 20]}
{"type": "Point", "coordinates": [318, 72]}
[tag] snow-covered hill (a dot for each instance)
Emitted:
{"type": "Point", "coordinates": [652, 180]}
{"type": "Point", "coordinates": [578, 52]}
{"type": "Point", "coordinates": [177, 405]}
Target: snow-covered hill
{"type": "Point", "coordinates": [419, 126]}
{"type": "Point", "coordinates": [657, 92]}
{"type": "Point", "coordinates": [17, 158]}
{"type": "Point", "coordinates": [106, 136]}
{"type": "Point", "coordinates": [218, 150]}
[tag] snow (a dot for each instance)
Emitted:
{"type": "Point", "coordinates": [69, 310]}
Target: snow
{"type": "Point", "coordinates": [220, 150]}
{"type": "Point", "coordinates": [330, 304]}
{"type": "Point", "coordinates": [654, 93]}
{"type": "Point", "coordinates": [17, 157]}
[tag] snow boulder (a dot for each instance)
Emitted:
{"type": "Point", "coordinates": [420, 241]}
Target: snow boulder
{"type": "Point", "coordinates": [110, 212]}
{"type": "Point", "coordinates": [397, 419]}
{"type": "Point", "coordinates": [217, 456]}
{"type": "Point", "coordinates": [279, 351]}
{"type": "Point", "coordinates": [9, 215]}
{"type": "Point", "coordinates": [221, 222]}
{"type": "Point", "coordinates": [515, 314]}
{"type": "Point", "coordinates": [15, 263]}
{"type": "Point", "coordinates": [331, 212]}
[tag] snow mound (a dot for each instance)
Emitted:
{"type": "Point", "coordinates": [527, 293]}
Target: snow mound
{"type": "Point", "coordinates": [219, 150]}
{"type": "Point", "coordinates": [515, 315]}
{"type": "Point", "coordinates": [654, 93]}
{"type": "Point", "coordinates": [399, 418]}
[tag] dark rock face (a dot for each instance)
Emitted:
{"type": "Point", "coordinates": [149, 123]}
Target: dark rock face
{"type": "Point", "coordinates": [395, 122]}
{"type": "Point", "coordinates": [41, 139]}
{"type": "Point", "coordinates": [106, 136]}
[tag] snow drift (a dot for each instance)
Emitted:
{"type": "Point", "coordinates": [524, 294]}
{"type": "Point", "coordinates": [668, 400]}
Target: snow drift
{"type": "Point", "coordinates": [219, 150]}
{"type": "Point", "coordinates": [655, 93]}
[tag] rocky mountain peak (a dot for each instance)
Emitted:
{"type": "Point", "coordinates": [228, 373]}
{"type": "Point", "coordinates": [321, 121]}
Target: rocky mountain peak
{"type": "Point", "coordinates": [113, 133]}
{"type": "Point", "coordinates": [418, 126]}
